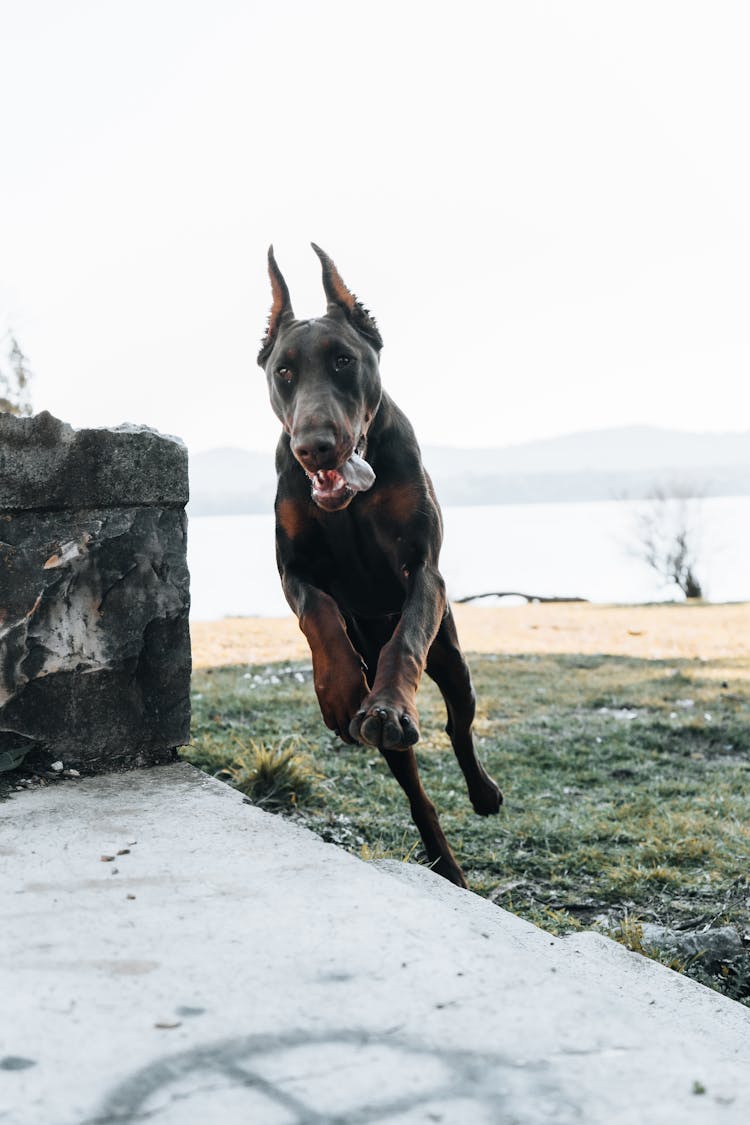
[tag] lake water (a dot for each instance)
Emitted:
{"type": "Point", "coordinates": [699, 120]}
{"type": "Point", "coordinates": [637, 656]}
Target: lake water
{"type": "Point", "coordinates": [579, 550]}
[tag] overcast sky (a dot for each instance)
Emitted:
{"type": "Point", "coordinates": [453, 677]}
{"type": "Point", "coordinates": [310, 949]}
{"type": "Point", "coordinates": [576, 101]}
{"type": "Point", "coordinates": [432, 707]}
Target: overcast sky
{"type": "Point", "coordinates": [544, 204]}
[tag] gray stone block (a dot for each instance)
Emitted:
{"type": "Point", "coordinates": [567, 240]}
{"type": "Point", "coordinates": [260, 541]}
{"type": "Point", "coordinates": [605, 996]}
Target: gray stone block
{"type": "Point", "coordinates": [94, 597]}
{"type": "Point", "coordinates": [47, 465]}
{"type": "Point", "coordinates": [712, 946]}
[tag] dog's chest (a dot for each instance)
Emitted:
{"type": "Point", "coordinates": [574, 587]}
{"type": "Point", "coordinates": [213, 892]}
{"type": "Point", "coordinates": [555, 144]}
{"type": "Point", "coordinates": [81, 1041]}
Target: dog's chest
{"type": "Point", "coordinates": [363, 576]}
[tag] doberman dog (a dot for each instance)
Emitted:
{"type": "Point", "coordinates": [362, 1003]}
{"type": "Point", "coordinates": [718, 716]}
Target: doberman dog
{"type": "Point", "coordinates": [358, 534]}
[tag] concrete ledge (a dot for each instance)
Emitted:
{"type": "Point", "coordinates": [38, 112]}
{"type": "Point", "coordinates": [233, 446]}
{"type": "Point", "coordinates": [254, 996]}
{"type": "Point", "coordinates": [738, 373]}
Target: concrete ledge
{"type": "Point", "coordinates": [226, 965]}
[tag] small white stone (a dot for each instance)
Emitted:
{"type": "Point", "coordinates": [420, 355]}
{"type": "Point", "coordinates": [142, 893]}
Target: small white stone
{"type": "Point", "coordinates": [57, 767]}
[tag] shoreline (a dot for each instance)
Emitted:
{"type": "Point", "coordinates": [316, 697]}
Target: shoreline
{"type": "Point", "coordinates": [659, 631]}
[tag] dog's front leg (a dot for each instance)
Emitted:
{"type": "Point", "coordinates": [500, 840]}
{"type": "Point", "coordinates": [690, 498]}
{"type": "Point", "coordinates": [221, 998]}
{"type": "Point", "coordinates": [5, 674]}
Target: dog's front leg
{"type": "Point", "coordinates": [388, 716]}
{"type": "Point", "coordinates": [338, 674]}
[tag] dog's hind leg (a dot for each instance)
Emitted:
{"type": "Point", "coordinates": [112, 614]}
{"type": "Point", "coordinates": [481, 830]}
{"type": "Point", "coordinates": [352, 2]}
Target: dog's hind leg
{"type": "Point", "coordinates": [403, 766]}
{"type": "Point", "coordinates": [447, 667]}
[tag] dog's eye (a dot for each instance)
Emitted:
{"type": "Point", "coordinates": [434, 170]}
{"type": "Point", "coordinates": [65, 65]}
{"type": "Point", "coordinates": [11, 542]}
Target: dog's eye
{"type": "Point", "coordinates": [342, 361]}
{"type": "Point", "coordinates": [284, 373]}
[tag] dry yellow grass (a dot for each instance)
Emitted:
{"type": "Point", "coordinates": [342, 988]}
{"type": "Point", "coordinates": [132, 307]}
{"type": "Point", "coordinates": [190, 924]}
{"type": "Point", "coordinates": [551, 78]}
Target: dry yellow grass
{"type": "Point", "coordinates": [708, 632]}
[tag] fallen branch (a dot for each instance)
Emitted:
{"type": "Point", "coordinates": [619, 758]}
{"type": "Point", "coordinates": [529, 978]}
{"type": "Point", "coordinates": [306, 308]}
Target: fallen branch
{"type": "Point", "coordinates": [514, 594]}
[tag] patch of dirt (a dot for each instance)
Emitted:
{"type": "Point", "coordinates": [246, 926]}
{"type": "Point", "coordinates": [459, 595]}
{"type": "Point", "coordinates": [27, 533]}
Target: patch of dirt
{"type": "Point", "coordinates": [657, 632]}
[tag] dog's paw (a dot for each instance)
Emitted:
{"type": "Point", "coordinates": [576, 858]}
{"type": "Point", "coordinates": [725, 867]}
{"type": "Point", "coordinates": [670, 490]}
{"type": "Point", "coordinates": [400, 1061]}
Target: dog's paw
{"type": "Point", "coordinates": [485, 796]}
{"type": "Point", "coordinates": [338, 703]}
{"type": "Point", "coordinates": [384, 726]}
{"type": "Point", "coordinates": [450, 870]}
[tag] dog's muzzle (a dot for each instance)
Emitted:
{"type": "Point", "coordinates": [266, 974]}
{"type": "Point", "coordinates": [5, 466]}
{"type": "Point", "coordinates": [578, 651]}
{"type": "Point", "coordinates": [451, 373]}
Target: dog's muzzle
{"type": "Point", "coordinates": [334, 488]}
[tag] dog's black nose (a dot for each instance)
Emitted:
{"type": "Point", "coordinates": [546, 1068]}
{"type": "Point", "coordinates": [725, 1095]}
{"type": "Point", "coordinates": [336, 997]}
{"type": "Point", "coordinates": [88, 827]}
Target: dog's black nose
{"type": "Point", "coordinates": [315, 451]}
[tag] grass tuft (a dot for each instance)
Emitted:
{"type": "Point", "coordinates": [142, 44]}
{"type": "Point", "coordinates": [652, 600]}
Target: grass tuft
{"type": "Point", "coordinates": [630, 934]}
{"type": "Point", "coordinates": [274, 778]}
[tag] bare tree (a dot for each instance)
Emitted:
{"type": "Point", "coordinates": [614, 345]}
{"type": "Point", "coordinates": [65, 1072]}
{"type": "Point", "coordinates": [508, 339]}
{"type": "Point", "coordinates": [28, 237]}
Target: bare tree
{"type": "Point", "coordinates": [15, 378]}
{"type": "Point", "coordinates": [668, 536]}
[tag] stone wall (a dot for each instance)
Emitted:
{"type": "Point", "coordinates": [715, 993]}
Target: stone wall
{"type": "Point", "coordinates": [94, 594]}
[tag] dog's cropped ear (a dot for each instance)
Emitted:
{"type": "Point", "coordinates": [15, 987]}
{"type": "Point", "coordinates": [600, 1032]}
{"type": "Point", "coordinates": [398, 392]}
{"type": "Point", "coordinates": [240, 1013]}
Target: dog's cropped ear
{"type": "Point", "coordinates": [339, 297]}
{"type": "Point", "coordinates": [281, 309]}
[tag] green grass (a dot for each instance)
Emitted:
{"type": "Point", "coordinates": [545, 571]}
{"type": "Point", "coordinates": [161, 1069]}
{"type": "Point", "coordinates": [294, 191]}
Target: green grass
{"type": "Point", "coordinates": [622, 801]}
{"type": "Point", "coordinates": [275, 778]}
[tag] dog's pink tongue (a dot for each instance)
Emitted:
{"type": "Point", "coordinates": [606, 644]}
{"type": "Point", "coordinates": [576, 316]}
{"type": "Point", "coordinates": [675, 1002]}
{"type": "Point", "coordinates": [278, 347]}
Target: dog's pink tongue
{"type": "Point", "coordinates": [357, 473]}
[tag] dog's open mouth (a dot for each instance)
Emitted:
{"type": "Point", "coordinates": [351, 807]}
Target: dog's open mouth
{"type": "Point", "coordinates": [328, 485]}
{"type": "Point", "coordinates": [334, 488]}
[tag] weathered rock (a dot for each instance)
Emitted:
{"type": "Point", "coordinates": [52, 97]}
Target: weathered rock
{"type": "Point", "coordinates": [46, 465]}
{"type": "Point", "coordinates": [713, 946]}
{"type": "Point", "coordinates": [94, 594]}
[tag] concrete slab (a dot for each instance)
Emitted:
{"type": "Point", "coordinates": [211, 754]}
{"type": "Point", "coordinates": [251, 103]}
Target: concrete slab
{"type": "Point", "coordinates": [228, 966]}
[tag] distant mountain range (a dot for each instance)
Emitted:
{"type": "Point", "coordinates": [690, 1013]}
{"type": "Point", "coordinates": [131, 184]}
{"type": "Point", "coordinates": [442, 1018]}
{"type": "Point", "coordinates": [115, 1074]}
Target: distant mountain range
{"type": "Point", "coordinates": [614, 464]}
